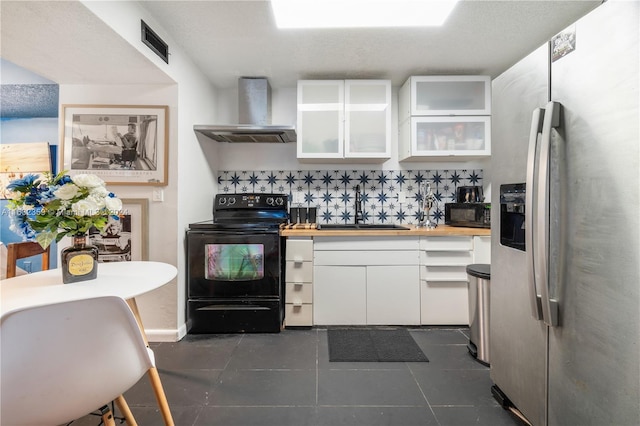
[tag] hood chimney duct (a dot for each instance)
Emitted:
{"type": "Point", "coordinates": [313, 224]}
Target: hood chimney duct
{"type": "Point", "coordinates": [254, 117]}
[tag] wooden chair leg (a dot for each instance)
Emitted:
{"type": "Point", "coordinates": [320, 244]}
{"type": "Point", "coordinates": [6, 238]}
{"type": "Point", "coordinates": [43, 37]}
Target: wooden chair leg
{"type": "Point", "coordinates": [136, 313]}
{"type": "Point", "coordinates": [160, 396]}
{"type": "Point", "coordinates": [107, 416]}
{"type": "Point", "coordinates": [154, 377]}
{"type": "Point", "coordinates": [126, 412]}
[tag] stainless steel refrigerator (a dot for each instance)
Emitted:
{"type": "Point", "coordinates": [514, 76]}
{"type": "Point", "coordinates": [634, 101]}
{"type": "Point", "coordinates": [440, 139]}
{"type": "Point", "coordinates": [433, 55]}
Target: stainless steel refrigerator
{"type": "Point", "coordinates": [565, 274]}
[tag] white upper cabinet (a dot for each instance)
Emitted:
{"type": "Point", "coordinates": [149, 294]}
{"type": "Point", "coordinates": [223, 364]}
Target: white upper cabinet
{"type": "Point", "coordinates": [445, 95]}
{"type": "Point", "coordinates": [320, 124]}
{"type": "Point", "coordinates": [367, 118]}
{"type": "Point", "coordinates": [444, 117]}
{"type": "Point", "coordinates": [344, 119]}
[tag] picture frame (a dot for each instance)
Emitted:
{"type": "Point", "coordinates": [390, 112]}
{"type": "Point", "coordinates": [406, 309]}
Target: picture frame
{"type": "Point", "coordinates": [121, 144]}
{"type": "Point", "coordinates": [19, 159]}
{"type": "Point", "coordinates": [125, 239]}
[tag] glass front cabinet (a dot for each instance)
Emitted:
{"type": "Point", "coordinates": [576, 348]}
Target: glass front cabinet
{"type": "Point", "coordinates": [344, 119]}
{"type": "Point", "coordinates": [444, 117]}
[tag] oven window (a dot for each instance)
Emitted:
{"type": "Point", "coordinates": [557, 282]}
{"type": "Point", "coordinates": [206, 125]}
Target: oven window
{"type": "Point", "coordinates": [234, 262]}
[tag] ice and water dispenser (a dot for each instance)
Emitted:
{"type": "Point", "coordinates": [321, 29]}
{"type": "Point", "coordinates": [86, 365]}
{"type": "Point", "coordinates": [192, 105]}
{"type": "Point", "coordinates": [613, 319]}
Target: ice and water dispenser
{"type": "Point", "coordinates": [512, 208]}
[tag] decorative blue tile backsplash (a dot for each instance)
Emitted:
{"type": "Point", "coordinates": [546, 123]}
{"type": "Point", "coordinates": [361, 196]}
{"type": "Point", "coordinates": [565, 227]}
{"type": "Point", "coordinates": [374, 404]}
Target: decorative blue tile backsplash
{"type": "Point", "coordinates": [333, 192]}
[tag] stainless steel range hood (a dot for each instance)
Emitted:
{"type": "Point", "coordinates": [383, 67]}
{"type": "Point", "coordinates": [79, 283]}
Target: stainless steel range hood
{"type": "Point", "coordinates": [254, 112]}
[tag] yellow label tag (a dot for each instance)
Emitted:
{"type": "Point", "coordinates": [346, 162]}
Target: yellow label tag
{"type": "Point", "coordinates": [81, 264]}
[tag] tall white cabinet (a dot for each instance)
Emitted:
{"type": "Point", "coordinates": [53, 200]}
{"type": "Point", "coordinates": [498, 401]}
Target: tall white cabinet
{"type": "Point", "coordinates": [344, 120]}
{"type": "Point", "coordinates": [444, 118]}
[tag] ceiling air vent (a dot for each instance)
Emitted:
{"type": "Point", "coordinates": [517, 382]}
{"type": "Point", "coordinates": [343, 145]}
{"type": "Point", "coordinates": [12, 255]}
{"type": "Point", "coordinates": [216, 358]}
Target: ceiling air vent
{"type": "Point", "coordinates": [155, 43]}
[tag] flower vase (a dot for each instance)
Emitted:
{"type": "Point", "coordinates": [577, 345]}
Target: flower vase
{"type": "Point", "coordinates": [79, 261]}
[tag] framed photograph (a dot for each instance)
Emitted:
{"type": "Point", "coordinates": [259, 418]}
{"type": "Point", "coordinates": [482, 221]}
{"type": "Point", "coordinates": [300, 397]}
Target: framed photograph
{"type": "Point", "coordinates": [124, 145]}
{"type": "Point", "coordinates": [20, 159]}
{"type": "Point", "coordinates": [125, 239]}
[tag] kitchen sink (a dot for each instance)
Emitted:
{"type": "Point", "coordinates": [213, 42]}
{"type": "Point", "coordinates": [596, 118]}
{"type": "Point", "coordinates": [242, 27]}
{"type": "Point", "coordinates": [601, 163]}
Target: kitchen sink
{"type": "Point", "coordinates": [360, 226]}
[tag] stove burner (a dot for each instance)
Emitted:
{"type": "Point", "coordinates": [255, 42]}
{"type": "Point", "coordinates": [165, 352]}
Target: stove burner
{"type": "Point", "coordinates": [250, 208]}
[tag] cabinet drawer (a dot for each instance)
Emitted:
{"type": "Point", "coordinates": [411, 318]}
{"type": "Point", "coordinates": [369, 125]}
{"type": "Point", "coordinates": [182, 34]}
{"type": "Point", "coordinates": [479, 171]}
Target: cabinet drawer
{"type": "Point", "coordinates": [446, 258]}
{"type": "Point", "coordinates": [443, 273]}
{"type": "Point", "coordinates": [444, 303]}
{"type": "Point", "coordinates": [365, 243]}
{"type": "Point", "coordinates": [446, 243]}
{"type": "Point", "coordinates": [299, 250]}
{"type": "Point", "coordinates": [482, 250]}
{"type": "Point", "coordinates": [299, 293]}
{"type": "Point", "coordinates": [299, 272]}
{"type": "Point", "coordinates": [363, 258]}
{"type": "Point", "coordinates": [298, 315]}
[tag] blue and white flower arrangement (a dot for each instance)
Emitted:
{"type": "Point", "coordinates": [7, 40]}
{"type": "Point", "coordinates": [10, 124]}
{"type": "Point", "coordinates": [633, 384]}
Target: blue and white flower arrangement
{"type": "Point", "coordinates": [52, 207]}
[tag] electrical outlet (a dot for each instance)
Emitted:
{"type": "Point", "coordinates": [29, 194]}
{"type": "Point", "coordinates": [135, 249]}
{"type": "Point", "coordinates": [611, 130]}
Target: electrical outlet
{"type": "Point", "coordinates": [158, 195]}
{"type": "Point", "coordinates": [298, 197]}
{"type": "Point", "coordinates": [402, 197]}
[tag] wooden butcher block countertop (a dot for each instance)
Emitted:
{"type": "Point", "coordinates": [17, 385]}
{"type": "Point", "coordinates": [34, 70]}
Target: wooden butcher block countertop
{"type": "Point", "coordinates": [309, 230]}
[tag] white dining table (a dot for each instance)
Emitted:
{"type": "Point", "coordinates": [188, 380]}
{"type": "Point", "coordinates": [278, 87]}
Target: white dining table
{"type": "Point", "coordinates": [122, 279]}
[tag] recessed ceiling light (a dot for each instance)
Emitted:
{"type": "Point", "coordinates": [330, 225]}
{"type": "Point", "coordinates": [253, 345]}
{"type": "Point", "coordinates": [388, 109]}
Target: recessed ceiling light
{"type": "Point", "coordinates": [360, 13]}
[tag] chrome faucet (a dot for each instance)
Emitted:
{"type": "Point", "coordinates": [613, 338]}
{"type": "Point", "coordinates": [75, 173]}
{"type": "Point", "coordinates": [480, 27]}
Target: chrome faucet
{"type": "Point", "coordinates": [358, 215]}
{"type": "Point", "coordinates": [426, 204]}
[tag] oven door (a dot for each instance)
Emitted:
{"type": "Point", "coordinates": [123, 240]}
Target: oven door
{"type": "Point", "coordinates": [233, 264]}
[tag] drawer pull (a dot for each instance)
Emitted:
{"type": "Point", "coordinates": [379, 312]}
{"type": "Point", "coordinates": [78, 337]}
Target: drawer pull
{"type": "Point", "coordinates": [297, 303]}
{"type": "Point", "coordinates": [298, 284]}
{"type": "Point", "coordinates": [298, 259]}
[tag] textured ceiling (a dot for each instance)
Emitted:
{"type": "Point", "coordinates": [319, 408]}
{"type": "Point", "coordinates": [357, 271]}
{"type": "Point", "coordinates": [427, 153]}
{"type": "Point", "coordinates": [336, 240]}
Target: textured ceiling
{"type": "Point", "coordinates": [64, 42]}
{"type": "Point", "coordinates": [228, 39]}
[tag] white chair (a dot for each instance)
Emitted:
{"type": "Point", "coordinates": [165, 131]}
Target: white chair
{"type": "Point", "coordinates": [59, 362]}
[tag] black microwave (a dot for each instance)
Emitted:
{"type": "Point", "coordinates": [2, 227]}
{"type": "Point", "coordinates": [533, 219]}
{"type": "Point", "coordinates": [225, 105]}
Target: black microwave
{"type": "Point", "coordinates": [472, 215]}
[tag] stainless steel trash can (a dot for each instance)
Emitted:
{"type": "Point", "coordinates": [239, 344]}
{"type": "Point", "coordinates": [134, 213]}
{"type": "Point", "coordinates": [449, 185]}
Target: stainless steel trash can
{"type": "Point", "coordinates": [479, 278]}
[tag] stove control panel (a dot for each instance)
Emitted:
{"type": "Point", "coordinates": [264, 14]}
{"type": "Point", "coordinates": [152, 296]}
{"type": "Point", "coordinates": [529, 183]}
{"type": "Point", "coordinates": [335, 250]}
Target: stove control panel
{"type": "Point", "coordinates": [250, 201]}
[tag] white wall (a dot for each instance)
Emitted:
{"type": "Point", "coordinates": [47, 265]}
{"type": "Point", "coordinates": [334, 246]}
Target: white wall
{"type": "Point", "coordinates": [162, 216]}
{"type": "Point", "coordinates": [192, 170]}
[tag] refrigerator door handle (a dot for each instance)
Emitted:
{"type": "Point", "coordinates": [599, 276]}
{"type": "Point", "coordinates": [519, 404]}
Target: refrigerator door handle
{"type": "Point", "coordinates": [530, 211]}
{"type": "Point", "coordinates": [541, 230]}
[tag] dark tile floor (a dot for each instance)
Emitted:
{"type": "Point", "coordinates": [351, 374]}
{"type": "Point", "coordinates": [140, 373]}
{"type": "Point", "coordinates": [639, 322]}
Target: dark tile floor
{"type": "Point", "coordinates": [286, 379]}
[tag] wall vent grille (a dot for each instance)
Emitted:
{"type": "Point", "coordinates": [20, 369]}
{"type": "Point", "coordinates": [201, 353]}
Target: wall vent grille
{"type": "Point", "coordinates": [154, 42]}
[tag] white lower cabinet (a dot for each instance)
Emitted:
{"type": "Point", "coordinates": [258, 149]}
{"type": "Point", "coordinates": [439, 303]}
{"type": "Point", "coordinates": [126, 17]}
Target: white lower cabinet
{"type": "Point", "coordinates": [444, 303]}
{"type": "Point", "coordinates": [482, 249]}
{"type": "Point", "coordinates": [443, 279]}
{"type": "Point", "coordinates": [381, 280]}
{"type": "Point", "coordinates": [392, 295]}
{"type": "Point", "coordinates": [366, 280]}
{"type": "Point", "coordinates": [340, 295]}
